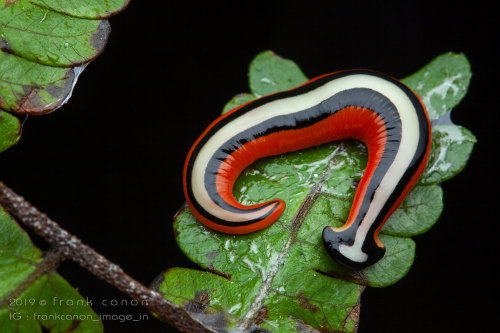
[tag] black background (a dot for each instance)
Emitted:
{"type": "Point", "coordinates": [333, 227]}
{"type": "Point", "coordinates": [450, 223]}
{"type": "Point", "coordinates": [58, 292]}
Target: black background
{"type": "Point", "coordinates": [107, 166]}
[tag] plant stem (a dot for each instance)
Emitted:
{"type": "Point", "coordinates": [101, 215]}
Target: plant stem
{"type": "Point", "coordinates": [69, 246]}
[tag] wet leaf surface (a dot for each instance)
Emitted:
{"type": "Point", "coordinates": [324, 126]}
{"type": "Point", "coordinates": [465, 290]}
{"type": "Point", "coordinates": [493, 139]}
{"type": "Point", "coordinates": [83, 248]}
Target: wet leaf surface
{"type": "Point", "coordinates": [281, 279]}
{"type": "Point", "coordinates": [30, 88]}
{"type": "Point", "coordinates": [451, 147]}
{"type": "Point", "coordinates": [45, 45]}
{"type": "Point", "coordinates": [442, 83]}
{"type": "Point", "coordinates": [50, 38]}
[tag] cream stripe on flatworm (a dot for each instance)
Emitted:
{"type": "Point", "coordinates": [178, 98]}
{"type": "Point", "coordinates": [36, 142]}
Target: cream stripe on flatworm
{"type": "Point", "coordinates": [298, 103]}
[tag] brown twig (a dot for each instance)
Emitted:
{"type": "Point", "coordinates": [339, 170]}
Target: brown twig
{"type": "Point", "coordinates": [72, 248]}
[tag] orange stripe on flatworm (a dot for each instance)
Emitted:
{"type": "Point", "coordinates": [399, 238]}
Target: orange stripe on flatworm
{"type": "Point", "coordinates": [350, 122]}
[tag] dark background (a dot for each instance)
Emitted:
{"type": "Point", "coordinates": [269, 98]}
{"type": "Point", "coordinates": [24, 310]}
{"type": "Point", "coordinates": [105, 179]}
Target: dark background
{"type": "Point", "coordinates": [107, 166]}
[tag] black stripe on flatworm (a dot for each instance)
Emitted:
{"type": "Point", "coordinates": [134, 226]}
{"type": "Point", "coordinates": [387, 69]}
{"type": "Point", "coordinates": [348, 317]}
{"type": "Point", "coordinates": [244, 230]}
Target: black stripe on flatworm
{"type": "Point", "coordinates": [359, 97]}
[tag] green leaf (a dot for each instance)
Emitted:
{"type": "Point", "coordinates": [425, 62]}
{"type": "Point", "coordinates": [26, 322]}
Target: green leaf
{"type": "Point", "coordinates": [418, 212]}
{"type": "Point", "coordinates": [10, 130]}
{"type": "Point", "coordinates": [84, 8]}
{"type": "Point", "coordinates": [238, 100]}
{"type": "Point", "coordinates": [50, 302]}
{"type": "Point", "coordinates": [18, 256]}
{"type": "Point", "coordinates": [451, 147]}
{"type": "Point", "coordinates": [37, 38]}
{"type": "Point", "coordinates": [31, 88]}
{"type": "Point", "coordinates": [442, 83]}
{"type": "Point", "coordinates": [50, 38]}
{"type": "Point", "coordinates": [282, 276]}
{"type": "Point", "coordinates": [33, 296]}
{"type": "Point", "coordinates": [259, 276]}
{"type": "Point", "coordinates": [269, 73]}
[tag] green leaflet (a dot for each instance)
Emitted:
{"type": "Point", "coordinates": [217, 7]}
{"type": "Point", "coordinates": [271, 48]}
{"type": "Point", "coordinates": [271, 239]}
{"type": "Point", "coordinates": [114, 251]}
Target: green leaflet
{"type": "Point", "coordinates": [451, 147]}
{"type": "Point", "coordinates": [84, 8]}
{"type": "Point", "coordinates": [269, 73]}
{"type": "Point", "coordinates": [282, 276]}
{"type": "Point", "coordinates": [10, 130]}
{"type": "Point", "coordinates": [50, 302]}
{"type": "Point", "coordinates": [44, 301]}
{"type": "Point", "coordinates": [45, 45]}
{"type": "Point", "coordinates": [18, 256]}
{"type": "Point", "coordinates": [238, 100]}
{"type": "Point", "coordinates": [48, 37]}
{"type": "Point", "coordinates": [28, 87]}
{"type": "Point", "coordinates": [418, 212]}
{"type": "Point", "coordinates": [442, 83]}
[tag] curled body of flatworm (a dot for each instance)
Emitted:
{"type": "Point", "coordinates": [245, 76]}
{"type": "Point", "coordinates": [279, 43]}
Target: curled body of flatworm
{"type": "Point", "coordinates": [384, 114]}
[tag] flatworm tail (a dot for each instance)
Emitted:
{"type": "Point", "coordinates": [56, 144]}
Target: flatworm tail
{"type": "Point", "coordinates": [373, 108]}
